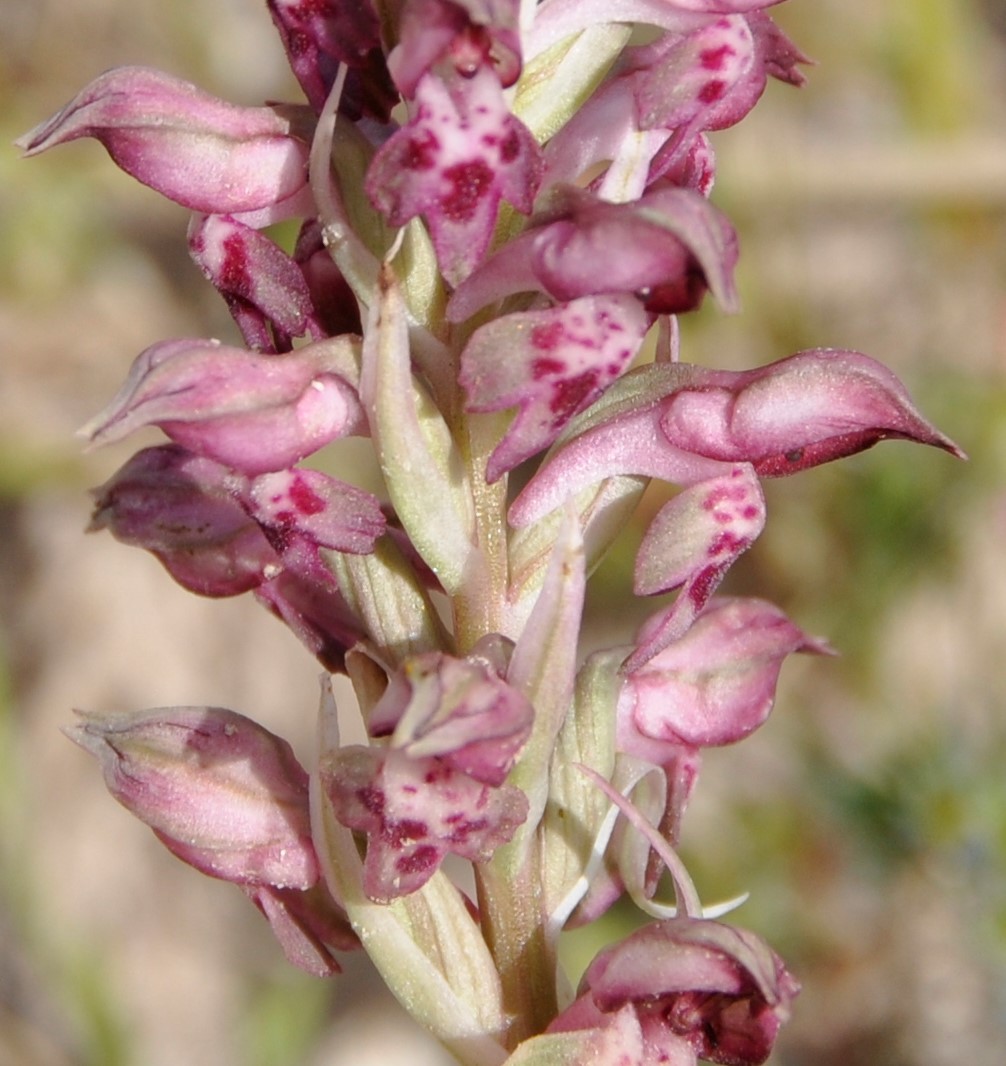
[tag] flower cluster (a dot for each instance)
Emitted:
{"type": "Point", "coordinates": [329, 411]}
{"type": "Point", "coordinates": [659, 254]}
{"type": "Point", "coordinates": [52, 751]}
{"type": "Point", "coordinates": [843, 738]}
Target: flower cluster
{"type": "Point", "coordinates": [503, 207]}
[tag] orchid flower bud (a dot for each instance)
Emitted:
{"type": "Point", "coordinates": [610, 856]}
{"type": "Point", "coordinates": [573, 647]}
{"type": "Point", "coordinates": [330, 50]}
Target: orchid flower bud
{"type": "Point", "coordinates": [811, 408]}
{"type": "Point", "coordinates": [318, 35]}
{"type": "Point", "coordinates": [714, 685]}
{"type": "Point", "coordinates": [684, 424]}
{"type": "Point", "coordinates": [672, 247]}
{"type": "Point", "coordinates": [255, 413]}
{"type": "Point", "coordinates": [228, 797]}
{"type": "Point", "coordinates": [438, 787]}
{"type": "Point", "coordinates": [202, 153]}
{"type": "Point", "coordinates": [718, 988]}
{"type": "Point", "coordinates": [221, 792]}
{"type": "Point", "coordinates": [182, 509]}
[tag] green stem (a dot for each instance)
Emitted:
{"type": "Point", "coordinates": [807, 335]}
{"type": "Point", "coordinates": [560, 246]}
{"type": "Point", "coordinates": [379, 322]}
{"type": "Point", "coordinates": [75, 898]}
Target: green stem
{"type": "Point", "coordinates": [510, 909]}
{"type": "Point", "coordinates": [480, 608]}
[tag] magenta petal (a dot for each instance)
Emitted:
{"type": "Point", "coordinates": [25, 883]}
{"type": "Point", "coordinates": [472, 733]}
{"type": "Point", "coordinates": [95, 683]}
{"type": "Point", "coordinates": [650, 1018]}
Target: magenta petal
{"type": "Point", "coordinates": [456, 159]}
{"type": "Point", "coordinates": [551, 364]}
{"type": "Point", "coordinates": [203, 153]}
{"type": "Point", "coordinates": [705, 525]}
{"type": "Point", "coordinates": [717, 683]}
{"type": "Point", "coordinates": [415, 811]}
{"type": "Point", "coordinates": [220, 791]}
{"type": "Point", "coordinates": [330, 513]}
{"type": "Point", "coordinates": [264, 288]}
{"type": "Point", "coordinates": [684, 80]}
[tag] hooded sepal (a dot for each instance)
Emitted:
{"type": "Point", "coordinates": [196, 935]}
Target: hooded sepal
{"type": "Point", "coordinates": [799, 412]}
{"type": "Point", "coordinates": [668, 248]}
{"type": "Point", "coordinates": [720, 989]}
{"type": "Point", "coordinates": [254, 413]}
{"type": "Point", "coordinates": [199, 151]}
{"type": "Point", "coordinates": [715, 684]}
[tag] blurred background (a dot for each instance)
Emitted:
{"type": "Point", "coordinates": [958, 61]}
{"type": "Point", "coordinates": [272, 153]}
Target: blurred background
{"type": "Point", "coordinates": [867, 819]}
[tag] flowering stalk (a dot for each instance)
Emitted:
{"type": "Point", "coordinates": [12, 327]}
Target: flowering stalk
{"type": "Point", "coordinates": [503, 206]}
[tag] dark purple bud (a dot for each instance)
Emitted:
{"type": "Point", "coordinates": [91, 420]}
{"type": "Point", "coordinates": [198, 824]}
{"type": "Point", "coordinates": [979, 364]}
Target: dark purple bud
{"type": "Point", "coordinates": [318, 35]}
{"type": "Point", "coordinates": [332, 300]}
{"type": "Point", "coordinates": [183, 509]}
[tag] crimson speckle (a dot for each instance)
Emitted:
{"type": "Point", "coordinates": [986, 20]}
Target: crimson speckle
{"type": "Point", "coordinates": [421, 152]}
{"type": "Point", "coordinates": [234, 276]}
{"type": "Point", "coordinates": [304, 498]}
{"type": "Point", "coordinates": [726, 542]}
{"type": "Point", "coordinates": [372, 799]}
{"type": "Point", "coordinates": [463, 830]}
{"type": "Point", "coordinates": [715, 58]}
{"type": "Point", "coordinates": [469, 184]}
{"type": "Point", "coordinates": [547, 337]}
{"type": "Point", "coordinates": [570, 395]}
{"type": "Point", "coordinates": [546, 368]}
{"type": "Point", "coordinates": [510, 148]}
{"type": "Point", "coordinates": [712, 91]}
{"type": "Point", "coordinates": [409, 829]}
{"type": "Point", "coordinates": [705, 581]}
{"type": "Point", "coordinates": [423, 858]}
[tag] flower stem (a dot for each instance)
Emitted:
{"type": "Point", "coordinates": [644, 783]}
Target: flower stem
{"type": "Point", "coordinates": [512, 922]}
